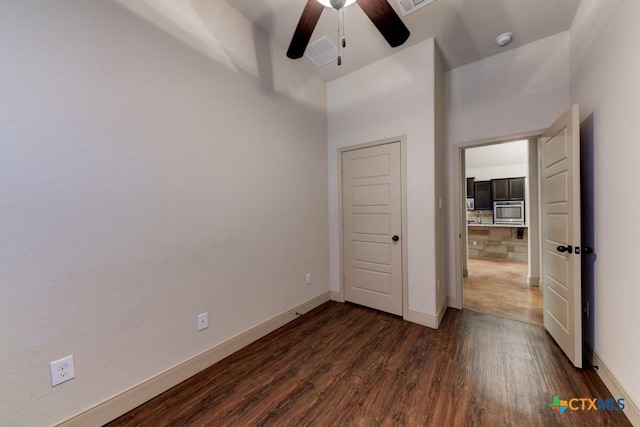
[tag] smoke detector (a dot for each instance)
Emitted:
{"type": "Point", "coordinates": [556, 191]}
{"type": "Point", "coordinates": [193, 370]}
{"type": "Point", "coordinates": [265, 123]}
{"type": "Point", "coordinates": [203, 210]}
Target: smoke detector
{"type": "Point", "coordinates": [504, 39]}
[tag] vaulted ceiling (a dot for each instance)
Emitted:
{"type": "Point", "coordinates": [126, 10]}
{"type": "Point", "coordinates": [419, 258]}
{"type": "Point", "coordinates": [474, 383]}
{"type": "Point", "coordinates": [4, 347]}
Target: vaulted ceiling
{"type": "Point", "coordinates": [465, 30]}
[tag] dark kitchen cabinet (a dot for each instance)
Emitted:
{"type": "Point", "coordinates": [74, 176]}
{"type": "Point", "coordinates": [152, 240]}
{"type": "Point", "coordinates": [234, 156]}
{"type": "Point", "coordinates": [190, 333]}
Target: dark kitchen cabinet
{"type": "Point", "coordinates": [500, 189]}
{"type": "Point", "coordinates": [470, 188]}
{"type": "Point", "coordinates": [516, 188]}
{"type": "Point", "coordinates": [507, 189]}
{"type": "Point", "coordinates": [483, 199]}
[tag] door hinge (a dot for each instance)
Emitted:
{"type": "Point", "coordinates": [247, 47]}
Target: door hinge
{"type": "Point", "coordinates": [587, 309]}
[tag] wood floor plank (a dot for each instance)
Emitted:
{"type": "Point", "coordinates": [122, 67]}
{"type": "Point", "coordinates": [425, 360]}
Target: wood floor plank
{"type": "Point", "coordinates": [343, 364]}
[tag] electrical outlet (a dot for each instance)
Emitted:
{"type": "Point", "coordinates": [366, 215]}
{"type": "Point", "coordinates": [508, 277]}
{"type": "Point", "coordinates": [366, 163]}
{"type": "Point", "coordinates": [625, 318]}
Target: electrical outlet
{"type": "Point", "coordinates": [308, 279]}
{"type": "Point", "coordinates": [203, 321]}
{"type": "Point", "coordinates": [61, 370]}
{"type": "Point", "coordinates": [475, 243]}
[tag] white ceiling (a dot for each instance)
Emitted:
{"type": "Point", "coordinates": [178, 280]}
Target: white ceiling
{"type": "Point", "coordinates": [464, 29]}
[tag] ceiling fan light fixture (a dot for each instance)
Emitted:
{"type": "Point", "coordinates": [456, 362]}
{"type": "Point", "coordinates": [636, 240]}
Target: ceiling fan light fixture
{"type": "Point", "coordinates": [504, 39]}
{"type": "Point", "coordinates": [327, 3]}
{"type": "Point", "coordinates": [379, 12]}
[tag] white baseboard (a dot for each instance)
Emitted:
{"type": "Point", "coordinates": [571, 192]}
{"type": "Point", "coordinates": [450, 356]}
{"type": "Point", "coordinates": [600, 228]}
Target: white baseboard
{"type": "Point", "coordinates": [441, 313]}
{"type": "Point", "coordinates": [454, 302]}
{"type": "Point", "coordinates": [422, 319]}
{"type": "Point", "coordinates": [337, 296]}
{"type": "Point", "coordinates": [126, 401]}
{"type": "Point", "coordinates": [533, 281]}
{"type": "Point", "coordinates": [410, 316]}
{"type": "Point", "coordinates": [616, 389]}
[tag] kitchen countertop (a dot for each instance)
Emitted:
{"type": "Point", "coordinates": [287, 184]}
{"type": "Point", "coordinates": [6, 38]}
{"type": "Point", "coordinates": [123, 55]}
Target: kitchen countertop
{"type": "Point", "coordinates": [497, 225]}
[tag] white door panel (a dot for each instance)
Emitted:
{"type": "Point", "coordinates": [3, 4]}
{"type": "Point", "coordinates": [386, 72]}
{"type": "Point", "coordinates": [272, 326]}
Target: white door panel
{"type": "Point", "coordinates": [372, 197]}
{"type": "Point", "coordinates": [371, 166]}
{"type": "Point", "coordinates": [561, 263]}
{"type": "Point", "coordinates": [379, 253]}
{"type": "Point", "coordinates": [371, 223]}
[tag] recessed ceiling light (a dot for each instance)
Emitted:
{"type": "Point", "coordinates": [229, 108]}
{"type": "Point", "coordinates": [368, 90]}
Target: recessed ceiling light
{"type": "Point", "coordinates": [504, 39]}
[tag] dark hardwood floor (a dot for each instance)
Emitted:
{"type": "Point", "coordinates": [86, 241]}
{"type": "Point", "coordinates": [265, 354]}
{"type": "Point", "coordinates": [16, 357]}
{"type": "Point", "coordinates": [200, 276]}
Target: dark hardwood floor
{"type": "Point", "coordinates": [500, 287]}
{"type": "Point", "coordinates": [345, 365]}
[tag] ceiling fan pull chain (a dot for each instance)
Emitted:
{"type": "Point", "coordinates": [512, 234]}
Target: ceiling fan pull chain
{"type": "Point", "coordinates": [344, 34]}
{"type": "Point", "coordinates": [340, 44]}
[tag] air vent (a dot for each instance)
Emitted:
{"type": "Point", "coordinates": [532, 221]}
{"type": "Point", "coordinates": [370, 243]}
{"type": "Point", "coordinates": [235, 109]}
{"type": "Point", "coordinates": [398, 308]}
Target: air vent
{"type": "Point", "coordinates": [409, 6]}
{"type": "Point", "coordinates": [322, 51]}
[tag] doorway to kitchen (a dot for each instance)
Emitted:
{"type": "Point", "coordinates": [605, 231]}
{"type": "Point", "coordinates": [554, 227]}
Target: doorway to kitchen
{"type": "Point", "coordinates": [501, 242]}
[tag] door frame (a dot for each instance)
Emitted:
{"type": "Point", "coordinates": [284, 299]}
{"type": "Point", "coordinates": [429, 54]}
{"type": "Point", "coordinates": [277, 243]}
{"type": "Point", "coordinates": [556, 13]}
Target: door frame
{"type": "Point", "coordinates": [459, 201]}
{"type": "Point", "coordinates": [403, 207]}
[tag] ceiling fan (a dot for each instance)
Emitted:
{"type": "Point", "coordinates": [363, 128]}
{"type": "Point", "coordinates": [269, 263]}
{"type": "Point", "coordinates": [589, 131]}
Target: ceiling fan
{"type": "Point", "coordinates": [379, 11]}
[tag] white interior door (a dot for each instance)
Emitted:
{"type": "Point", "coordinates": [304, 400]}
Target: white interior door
{"type": "Point", "coordinates": [372, 224]}
{"type": "Point", "coordinates": [561, 259]}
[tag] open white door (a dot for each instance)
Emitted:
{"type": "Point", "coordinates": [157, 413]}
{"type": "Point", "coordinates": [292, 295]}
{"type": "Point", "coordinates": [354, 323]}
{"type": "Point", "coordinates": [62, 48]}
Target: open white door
{"type": "Point", "coordinates": [561, 251]}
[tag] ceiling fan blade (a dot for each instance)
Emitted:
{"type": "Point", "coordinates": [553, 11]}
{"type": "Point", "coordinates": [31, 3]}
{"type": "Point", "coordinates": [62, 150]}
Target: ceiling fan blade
{"type": "Point", "coordinates": [306, 25]}
{"type": "Point", "coordinates": [386, 20]}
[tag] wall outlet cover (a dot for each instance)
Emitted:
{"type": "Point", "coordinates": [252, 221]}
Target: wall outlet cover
{"type": "Point", "coordinates": [61, 370]}
{"type": "Point", "coordinates": [203, 321]}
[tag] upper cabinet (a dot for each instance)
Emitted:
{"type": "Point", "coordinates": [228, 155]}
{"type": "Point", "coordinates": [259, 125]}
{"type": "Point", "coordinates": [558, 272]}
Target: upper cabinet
{"type": "Point", "coordinates": [507, 189]}
{"type": "Point", "coordinates": [500, 189]}
{"type": "Point", "coordinates": [516, 188]}
{"type": "Point", "coordinates": [470, 188]}
{"type": "Point", "coordinates": [483, 195]}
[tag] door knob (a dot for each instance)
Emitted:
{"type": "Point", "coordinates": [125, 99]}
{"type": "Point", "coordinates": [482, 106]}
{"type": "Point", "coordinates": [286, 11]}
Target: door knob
{"type": "Point", "coordinates": [395, 238]}
{"type": "Point", "coordinates": [562, 249]}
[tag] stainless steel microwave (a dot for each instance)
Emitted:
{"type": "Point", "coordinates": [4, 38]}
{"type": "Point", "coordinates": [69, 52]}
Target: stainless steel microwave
{"type": "Point", "coordinates": [508, 213]}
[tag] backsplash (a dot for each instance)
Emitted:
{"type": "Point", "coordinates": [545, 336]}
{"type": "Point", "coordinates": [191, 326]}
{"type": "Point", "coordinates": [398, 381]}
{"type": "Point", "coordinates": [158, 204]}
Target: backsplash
{"type": "Point", "coordinates": [480, 217]}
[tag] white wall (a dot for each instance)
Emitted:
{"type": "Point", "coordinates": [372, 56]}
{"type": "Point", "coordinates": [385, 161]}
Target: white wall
{"type": "Point", "coordinates": [497, 161]}
{"type": "Point", "coordinates": [604, 81]}
{"type": "Point", "coordinates": [142, 182]}
{"type": "Point", "coordinates": [497, 172]}
{"type": "Point", "coordinates": [520, 91]}
{"type": "Point", "coordinates": [392, 97]}
{"type": "Point", "coordinates": [440, 187]}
